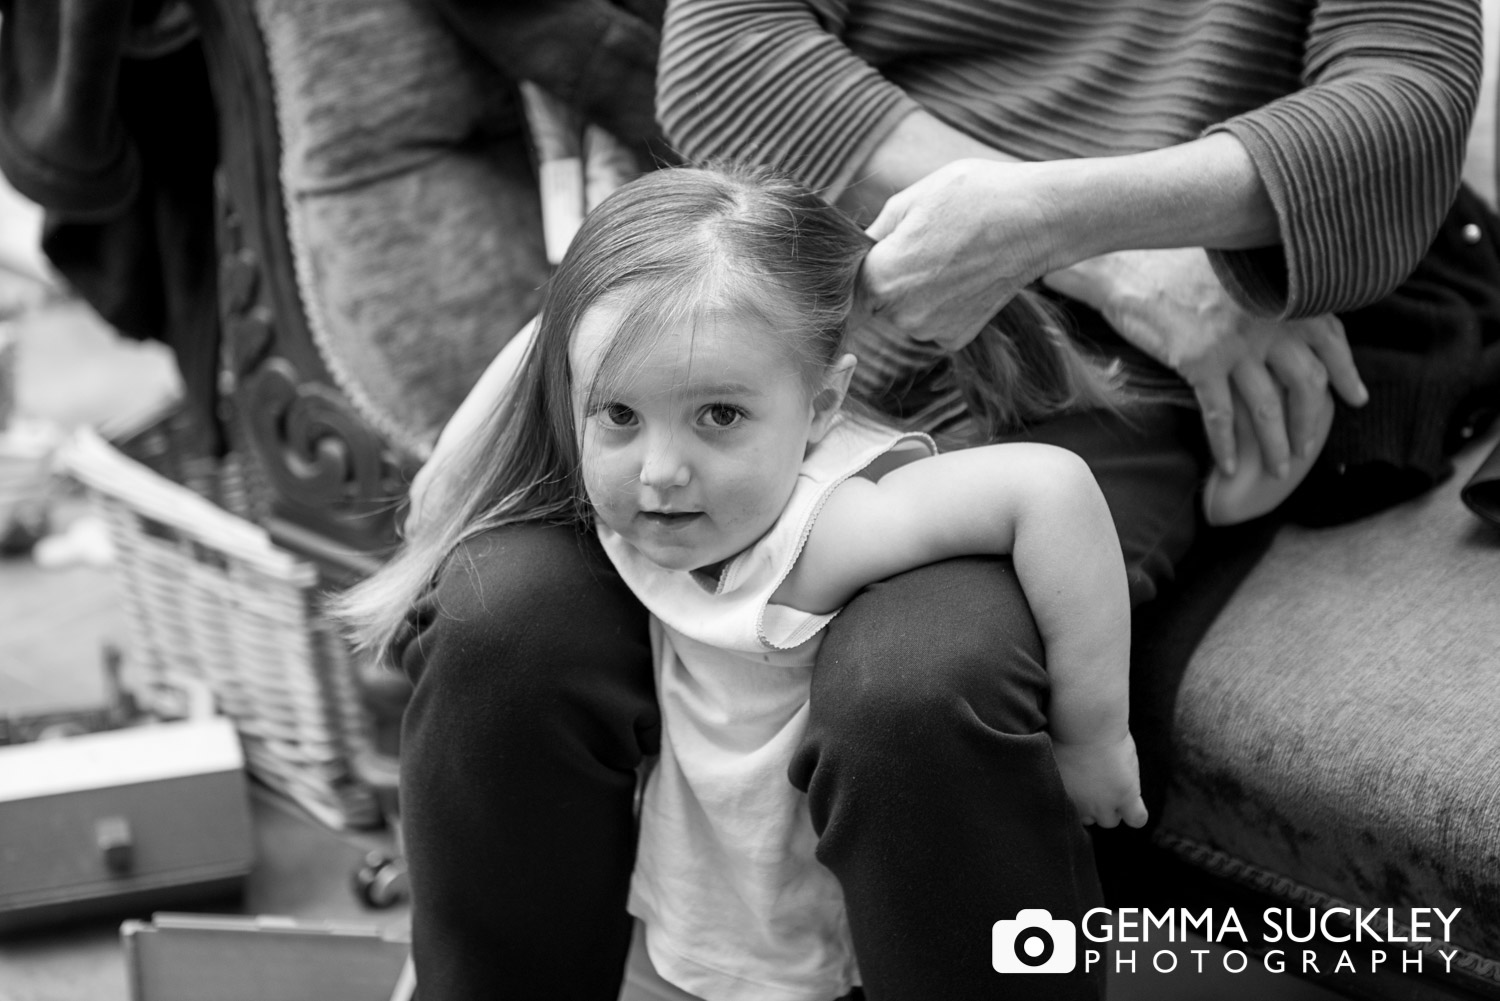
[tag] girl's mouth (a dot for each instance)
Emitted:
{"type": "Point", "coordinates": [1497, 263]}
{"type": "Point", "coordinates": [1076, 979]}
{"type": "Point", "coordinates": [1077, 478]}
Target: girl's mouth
{"type": "Point", "coordinates": [671, 519]}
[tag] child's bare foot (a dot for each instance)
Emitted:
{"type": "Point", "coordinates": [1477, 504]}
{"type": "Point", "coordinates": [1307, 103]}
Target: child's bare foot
{"type": "Point", "coordinates": [1254, 490]}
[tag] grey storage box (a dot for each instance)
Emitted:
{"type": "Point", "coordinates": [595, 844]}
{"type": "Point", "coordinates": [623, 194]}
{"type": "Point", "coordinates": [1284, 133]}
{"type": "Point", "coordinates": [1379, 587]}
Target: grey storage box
{"type": "Point", "coordinates": [138, 818]}
{"type": "Point", "coordinates": [189, 957]}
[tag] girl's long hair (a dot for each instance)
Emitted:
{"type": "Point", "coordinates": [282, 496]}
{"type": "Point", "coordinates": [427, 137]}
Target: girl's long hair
{"type": "Point", "coordinates": [664, 248]}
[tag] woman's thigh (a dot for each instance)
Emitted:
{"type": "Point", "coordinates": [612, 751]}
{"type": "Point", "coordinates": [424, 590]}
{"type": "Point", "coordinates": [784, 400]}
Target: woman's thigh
{"type": "Point", "coordinates": [1150, 462]}
{"type": "Point", "coordinates": [931, 781]}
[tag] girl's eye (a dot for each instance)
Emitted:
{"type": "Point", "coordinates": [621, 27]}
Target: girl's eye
{"type": "Point", "coordinates": [616, 415]}
{"type": "Point", "coordinates": [722, 415]}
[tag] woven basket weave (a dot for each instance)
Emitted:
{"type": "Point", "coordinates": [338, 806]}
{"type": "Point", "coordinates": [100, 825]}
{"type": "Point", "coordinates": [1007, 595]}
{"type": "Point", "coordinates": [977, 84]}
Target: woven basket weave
{"type": "Point", "coordinates": [208, 596]}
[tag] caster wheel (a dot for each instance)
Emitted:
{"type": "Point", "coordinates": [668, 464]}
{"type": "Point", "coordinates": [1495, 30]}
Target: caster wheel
{"type": "Point", "coordinates": [381, 881]}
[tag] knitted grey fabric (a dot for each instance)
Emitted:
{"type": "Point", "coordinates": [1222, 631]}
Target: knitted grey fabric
{"type": "Point", "coordinates": [1337, 726]}
{"type": "Point", "coordinates": [410, 200]}
{"type": "Point", "coordinates": [1360, 168]}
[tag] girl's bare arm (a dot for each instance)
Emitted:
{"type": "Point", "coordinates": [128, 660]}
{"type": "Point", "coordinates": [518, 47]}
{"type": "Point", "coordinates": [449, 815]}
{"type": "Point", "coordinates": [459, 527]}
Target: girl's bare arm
{"type": "Point", "coordinates": [1040, 505]}
{"type": "Point", "coordinates": [1037, 503]}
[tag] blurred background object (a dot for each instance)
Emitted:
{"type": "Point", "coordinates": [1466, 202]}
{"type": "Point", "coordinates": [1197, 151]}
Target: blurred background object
{"type": "Point", "coordinates": [62, 367]}
{"type": "Point", "coordinates": [24, 272]}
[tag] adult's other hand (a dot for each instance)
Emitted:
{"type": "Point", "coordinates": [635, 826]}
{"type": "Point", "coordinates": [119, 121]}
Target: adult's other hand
{"type": "Point", "coordinates": [1170, 304]}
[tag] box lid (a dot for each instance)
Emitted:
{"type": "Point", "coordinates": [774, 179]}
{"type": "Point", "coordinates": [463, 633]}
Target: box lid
{"type": "Point", "coordinates": [118, 757]}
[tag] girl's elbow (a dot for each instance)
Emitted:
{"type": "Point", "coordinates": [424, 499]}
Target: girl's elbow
{"type": "Point", "coordinates": [1063, 484]}
{"type": "Point", "coordinates": [1060, 471]}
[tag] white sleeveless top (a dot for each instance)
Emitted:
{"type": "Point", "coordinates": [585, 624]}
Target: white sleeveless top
{"type": "Point", "coordinates": [734, 904]}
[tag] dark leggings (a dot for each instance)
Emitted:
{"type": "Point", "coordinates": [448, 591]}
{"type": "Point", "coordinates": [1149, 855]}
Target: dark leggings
{"type": "Point", "coordinates": [929, 775]}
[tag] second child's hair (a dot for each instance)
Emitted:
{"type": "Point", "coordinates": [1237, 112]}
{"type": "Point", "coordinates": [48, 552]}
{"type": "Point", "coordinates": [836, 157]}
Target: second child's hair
{"type": "Point", "coordinates": [673, 246]}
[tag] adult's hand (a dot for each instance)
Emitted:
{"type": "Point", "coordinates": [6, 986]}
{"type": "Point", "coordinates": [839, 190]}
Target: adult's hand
{"type": "Point", "coordinates": [951, 250]}
{"type": "Point", "coordinates": [1170, 304]}
{"type": "Point", "coordinates": [957, 244]}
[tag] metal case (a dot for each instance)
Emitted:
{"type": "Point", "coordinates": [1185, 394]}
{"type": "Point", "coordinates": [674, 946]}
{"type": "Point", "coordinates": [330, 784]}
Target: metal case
{"type": "Point", "coordinates": [125, 819]}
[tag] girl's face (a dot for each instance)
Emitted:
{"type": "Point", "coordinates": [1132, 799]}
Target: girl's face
{"type": "Point", "coordinates": [692, 455]}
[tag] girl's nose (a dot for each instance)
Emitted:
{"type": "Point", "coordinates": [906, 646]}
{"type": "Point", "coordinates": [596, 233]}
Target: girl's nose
{"type": "Point", "coordinates": [664, 464]}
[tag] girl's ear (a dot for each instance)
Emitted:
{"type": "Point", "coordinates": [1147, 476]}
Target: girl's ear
{"type": "Point", "coordinates": [830, 397]}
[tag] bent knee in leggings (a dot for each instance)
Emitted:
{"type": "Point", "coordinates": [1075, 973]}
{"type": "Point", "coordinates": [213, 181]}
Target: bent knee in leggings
{"type": "Point", "coordinates": [525, 622]}
{"type": "Point", "coordinates": [533, 708]}
{"type": "Point", "coordinates": [953, 636]}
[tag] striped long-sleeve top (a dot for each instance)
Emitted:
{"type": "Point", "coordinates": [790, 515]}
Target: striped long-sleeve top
{"type": "Point", "coordinates": [1355, 112]}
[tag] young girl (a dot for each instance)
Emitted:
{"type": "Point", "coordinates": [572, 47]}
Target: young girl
{"type": "Point", "coordinates": [687, 394]}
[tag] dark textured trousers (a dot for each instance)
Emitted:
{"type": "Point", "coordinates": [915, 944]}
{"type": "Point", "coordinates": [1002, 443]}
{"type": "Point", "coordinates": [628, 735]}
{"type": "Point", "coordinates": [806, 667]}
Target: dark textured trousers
{"type": "Point", "coordinates": [928, 770]}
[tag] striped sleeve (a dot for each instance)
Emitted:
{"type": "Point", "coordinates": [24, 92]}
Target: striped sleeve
{"type": "Point", "coordinates": [769, 82]}
{"type": "Point", "coordinates": [1364, 162]}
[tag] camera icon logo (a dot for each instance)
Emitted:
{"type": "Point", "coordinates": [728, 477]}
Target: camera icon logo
{"type": "Point", "coordinates": [1034, 942]}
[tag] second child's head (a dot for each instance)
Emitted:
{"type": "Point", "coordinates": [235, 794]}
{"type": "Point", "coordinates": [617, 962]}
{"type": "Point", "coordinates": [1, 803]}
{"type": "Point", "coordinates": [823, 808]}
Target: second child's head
{"type": "Point", "coordinates": [703, 314]}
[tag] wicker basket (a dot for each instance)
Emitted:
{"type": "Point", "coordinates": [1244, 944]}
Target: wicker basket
{"type": "Point", "coordinates": [208, 596]}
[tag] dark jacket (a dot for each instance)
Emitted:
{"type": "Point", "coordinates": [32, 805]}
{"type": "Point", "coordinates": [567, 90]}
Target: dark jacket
{"type": "Point", "coordinates": [107, 122]}
{"type": "Point", "coordinates": [1430, 355]}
